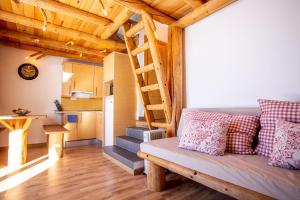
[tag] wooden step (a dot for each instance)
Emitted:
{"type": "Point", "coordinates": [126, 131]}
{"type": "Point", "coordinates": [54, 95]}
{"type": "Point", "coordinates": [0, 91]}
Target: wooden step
{"type": "Point", "coordinates": [159, 124]}
{"type": "Point", "coordinates": [140, 49]}
{"type": "Point", "coordinates": [145, 69]}
{"type": "Point", "coordinates": [155, 107]}
{"type": "Point", "coordinates": [150, 88]}
{"type": "Point", "coordinates": [161, 43]}
{"type": "Point", "coordinates": [135, 29]}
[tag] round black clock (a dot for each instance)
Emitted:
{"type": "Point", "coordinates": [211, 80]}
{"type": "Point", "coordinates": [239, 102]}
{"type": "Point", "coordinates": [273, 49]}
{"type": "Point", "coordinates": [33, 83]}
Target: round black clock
{"type": "Point", "coordinates": [28, 71]}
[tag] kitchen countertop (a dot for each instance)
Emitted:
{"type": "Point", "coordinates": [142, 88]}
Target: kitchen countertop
{"type": "Point", "coordinates": [75, 111]}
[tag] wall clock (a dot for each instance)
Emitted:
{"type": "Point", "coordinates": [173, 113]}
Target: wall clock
{"type": "Point", "coordinates": [28, 71]}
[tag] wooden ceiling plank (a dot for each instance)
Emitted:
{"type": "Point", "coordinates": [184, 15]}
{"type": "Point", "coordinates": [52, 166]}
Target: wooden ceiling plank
{"type": "Point", "coordinates": [202, 12]}
{"type": "Point", "coordinates": [66, 9]}
{"type": "Point", "coordinates": [52, 52]}
{"type": "Point", "coordinates": [103, 44]}
{"type": "Point", "coordinates": [137, 6]}
{"type": "Point", "coordinates": [47, 42]}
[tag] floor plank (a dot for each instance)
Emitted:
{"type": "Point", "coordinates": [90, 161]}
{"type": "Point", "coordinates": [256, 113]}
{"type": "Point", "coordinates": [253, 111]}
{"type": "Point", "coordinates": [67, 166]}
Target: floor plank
{"type": "Point", "coordinates": [84, 173]}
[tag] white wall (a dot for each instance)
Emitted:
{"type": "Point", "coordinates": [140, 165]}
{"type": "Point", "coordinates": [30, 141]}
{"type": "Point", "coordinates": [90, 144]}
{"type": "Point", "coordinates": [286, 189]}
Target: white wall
{"type": "Point", "coordinates": [248, 50]}
{"type": "Point", "coordinates": [36, 95]}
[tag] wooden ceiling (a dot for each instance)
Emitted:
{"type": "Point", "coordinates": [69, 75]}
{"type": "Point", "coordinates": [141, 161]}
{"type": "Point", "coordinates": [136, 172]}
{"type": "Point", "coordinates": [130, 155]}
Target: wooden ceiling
{"type": "Point", "coordinates": [79, 28]}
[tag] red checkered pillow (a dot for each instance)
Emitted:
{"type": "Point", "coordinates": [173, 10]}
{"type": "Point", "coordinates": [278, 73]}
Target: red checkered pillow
{"type": "Point", "coordinates": [271, 111]}
{"type": "Point", "coordinates": [242, 129]}
{"type": "Point", "coordinates": [286, 147]}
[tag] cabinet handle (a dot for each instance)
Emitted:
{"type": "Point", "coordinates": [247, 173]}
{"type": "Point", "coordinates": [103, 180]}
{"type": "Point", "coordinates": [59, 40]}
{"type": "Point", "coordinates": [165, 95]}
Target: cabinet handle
{"type": "Point", "coordinates": [96, 91]}
{"type": "Point", "coordinates": [69, 89]}
{"type": "Point", "coordinates": [74, 84]}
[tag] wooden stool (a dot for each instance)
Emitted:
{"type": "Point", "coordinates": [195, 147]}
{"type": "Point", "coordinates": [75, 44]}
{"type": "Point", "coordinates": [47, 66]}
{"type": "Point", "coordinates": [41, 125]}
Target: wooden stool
{"type": "Point", "coordinates": [56, 138]}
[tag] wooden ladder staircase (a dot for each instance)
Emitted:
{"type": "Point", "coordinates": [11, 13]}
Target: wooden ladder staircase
{"type": "Point", "coordinates": [152, 44]}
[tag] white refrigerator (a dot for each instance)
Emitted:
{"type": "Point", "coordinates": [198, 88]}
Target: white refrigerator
{"type": "Point", "coordinates": [109, 121]}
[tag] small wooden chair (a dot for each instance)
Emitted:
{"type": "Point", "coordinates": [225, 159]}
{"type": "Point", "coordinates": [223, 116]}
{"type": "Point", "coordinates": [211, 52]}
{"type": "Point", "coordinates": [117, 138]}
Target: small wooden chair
{"type": "Point", "coordinates": [56, 139]}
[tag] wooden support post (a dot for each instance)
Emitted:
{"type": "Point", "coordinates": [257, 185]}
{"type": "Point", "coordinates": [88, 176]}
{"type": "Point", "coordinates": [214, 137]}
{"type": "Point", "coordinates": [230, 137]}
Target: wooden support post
{"type": "Point", "coordinates": [156, 178]}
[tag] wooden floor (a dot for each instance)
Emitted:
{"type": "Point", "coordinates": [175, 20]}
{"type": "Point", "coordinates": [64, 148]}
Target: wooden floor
{"type": "Point", "coordinates": [84, 173]}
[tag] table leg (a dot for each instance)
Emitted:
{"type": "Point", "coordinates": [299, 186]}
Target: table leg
{"type": "Point", "coordinates": [17, 150]}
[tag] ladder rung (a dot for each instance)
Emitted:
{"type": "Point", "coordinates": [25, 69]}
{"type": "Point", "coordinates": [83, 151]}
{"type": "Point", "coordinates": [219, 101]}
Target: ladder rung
{"type": "Point", "coordinates": [161, 43]}
{"type": "Point", "coordinates": [140, 49]}
{"type": "Point", "coordinates": [159, 124]}
{"type": "Point", "coordinates": [155, 107]}
{"type": "Point", "coordinates": [135, 29]}
{"type": "Point", "coordinates": [145, 69]}
{"type": "Point", "coordinates": [150, 88]}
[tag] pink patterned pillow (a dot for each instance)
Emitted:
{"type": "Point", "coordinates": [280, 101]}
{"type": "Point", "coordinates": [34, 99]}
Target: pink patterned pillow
{"type": "Point", "coordinates": [286, 147]}
{"type": "Point", "coordinates": [271, 111]}
{"type": "Point", "coordinates": [201, 115]}
{"type": "Point", "coordinates": [241, 131]}
{"type": "Point", "coordinates": [205, 136]}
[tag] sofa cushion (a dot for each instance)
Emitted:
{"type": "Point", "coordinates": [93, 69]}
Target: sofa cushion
{"type": "Point", "coordinates": [207, 136]}
{"type": "Point", "coordinates": [248, 171]}
{"type": "Point", "coordinates": [271, 111]}
{"type": "Point", "coordinates": [286, 144]}
{"type": "Point", "coordinates": [242, 129]}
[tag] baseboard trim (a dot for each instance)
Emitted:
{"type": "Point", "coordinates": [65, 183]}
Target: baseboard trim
{"type": "Point", "coordinates": [77, 143]}
{"type": "Point", "coordinates": [36, 145]}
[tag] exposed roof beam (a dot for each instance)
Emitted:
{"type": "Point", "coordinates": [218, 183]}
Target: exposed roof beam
{"type": "Point", "coordinates": [202, 12]}
{"type": "Point", "coordinates": [193, 3]}
{"type": "Point", "coordinates": [52, 52]}
{"type": "Point", "coordinates": [137, 6]}
{"type": "Point", "coordinates": [25, 21]}
{"type": "Point", "coordinates": [24, 37]}
{"type": "Point", "coordinates": [120, 19]}
{"type": "Point", "coordinates": [68, 10]}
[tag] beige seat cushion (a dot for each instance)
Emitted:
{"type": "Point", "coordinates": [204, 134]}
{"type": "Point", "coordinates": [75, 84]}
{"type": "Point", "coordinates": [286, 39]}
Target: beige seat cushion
{"type": "Point", "coordinates": [249, 171]}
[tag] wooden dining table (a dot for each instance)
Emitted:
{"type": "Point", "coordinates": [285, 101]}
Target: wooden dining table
{"type": "Point", "coordinates": [17, 137]}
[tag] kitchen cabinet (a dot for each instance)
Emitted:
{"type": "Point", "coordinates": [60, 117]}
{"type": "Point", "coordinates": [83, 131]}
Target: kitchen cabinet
{"type": "Point", "coordinates": [98, 82]}
{"type": "Point", "coordinates": [89, 125]}
{"type": "Point", "coordinates": [86, 125]}
{"type": "Point", "coordinates": [67, 79]}
{"type": "Point", "coordinates": [83, 76]}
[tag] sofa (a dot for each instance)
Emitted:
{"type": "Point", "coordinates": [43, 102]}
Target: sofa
{"type": "Point", "coordinates": [239, 176]}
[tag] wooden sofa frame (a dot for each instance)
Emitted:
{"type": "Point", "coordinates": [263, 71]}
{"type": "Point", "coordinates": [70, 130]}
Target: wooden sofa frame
{"type": "Point", "coordinates": [156, 179]}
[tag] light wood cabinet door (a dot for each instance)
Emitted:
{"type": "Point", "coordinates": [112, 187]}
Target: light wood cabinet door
{"type": "Point", "coordinates": [98, 82]}
{"type": "Point", "coordinates": [99, 126]}
{"type": "Point", "coordinates": [67, 79]}
{"type": "Point", "coordinates": [83, 78]}
{"type": "Point", "coordinates": [72, 127]}
{"type": "Point", "coordinates": [86, 125]}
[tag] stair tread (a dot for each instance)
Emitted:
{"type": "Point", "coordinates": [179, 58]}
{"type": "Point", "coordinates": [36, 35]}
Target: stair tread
{"type": "Point", "coordinates": [118, 152]}
{"type": "Point", "coordinates": [131, 139]}
{"type": "Point", "coordinates": [139, 128]}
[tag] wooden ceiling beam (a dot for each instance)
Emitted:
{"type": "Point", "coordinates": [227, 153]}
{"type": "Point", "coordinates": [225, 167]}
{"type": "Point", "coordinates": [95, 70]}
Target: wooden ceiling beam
{"type": "Point", "coordinates": [33, 23]}
{"type": "Point", "coordinates": [193, 3]}
{"type": "Point", "coordinates": [28, 38]}
{"type": "Point", "coordinates": [68, 10]}
{"type": "Point", "coordinates": [52, 52]}
{"type": "Point", "coordinates": [202, 12]}
{"type": "Point", "coordinates": [137, 6]}
{"type": "Point", "coordinates": [120, 19]}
